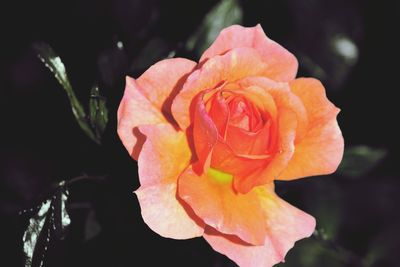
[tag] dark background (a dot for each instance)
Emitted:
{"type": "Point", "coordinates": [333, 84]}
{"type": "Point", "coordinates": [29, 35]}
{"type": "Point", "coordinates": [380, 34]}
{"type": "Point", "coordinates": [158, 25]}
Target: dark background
{"type": "Point", "coordinates": [41, 143]}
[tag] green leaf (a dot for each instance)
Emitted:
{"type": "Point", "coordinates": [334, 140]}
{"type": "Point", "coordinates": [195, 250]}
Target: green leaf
{"type": "Point", "coordinates": [98, 113]}
{"type": "Point", "coordinates": [33, 232]}
{"type": "Point", "coordinates": [53, 62]}
{"type": "Point", "coordinates": [224, 14]}
{"type": "Point", "coordinates": [51, 218]}
{"type": "Point", "coordinates": [359, 160]}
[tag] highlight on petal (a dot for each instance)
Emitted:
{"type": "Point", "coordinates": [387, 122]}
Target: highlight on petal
{"type": "Point", "coordinates": [234, 65]}
{"type": "Point", "coordinates": [321, 149]}
{"type": "Point", "coordinates": [286, 225]}
{"type": "Point", "coordinates": [148, 99]}
{"type": "Point", "coordinates": [282, 65]}
{"type": "Point", "coordinates": [159, 169]}
{"type": "Point", "coordinates": [217, 204]}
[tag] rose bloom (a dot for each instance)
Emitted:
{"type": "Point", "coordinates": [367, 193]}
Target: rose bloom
{"type": "Point", "coordinates": [211, 137]}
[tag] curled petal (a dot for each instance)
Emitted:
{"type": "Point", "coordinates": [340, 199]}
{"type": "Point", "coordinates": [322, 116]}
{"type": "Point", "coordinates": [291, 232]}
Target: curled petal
{"type": "Point", "coordinates": [286, 225]}
{"type": "Point", "coordinates": [321, 149]}
{"type": "Point", "coordinates": [282, 65]}
{"type": "Point", "coordinates": [284, 150]}
{"type": "Point", "coordinates": [162, 210]}
{"type": "Point", "coordinates": [234, 65]}
{"type": "Point", "coordinates": [283, 98]}
{"type": "Point", "coordinates": [134, 110]}
{"type": "Point", "coordinates": [148, 99]}
{"type": "Point", "coordinates": [205, 134]}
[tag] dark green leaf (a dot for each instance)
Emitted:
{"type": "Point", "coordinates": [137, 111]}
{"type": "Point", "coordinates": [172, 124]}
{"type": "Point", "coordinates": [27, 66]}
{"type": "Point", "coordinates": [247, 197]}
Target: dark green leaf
{"type": "Point", "coordinates": [34, 231]}
{"type": "Point", "coordinates": [98, 112]}
{"type": "Point", "coordinates": [359, 160]}
{"type": "Point", "coordinates": [383, 250]}
{"type": "Point", "coordinates": [224, 14]}
{"type": "Point", "coordinates": [51, 217]}
{"type": "Point", "coordinates": [53, 62]}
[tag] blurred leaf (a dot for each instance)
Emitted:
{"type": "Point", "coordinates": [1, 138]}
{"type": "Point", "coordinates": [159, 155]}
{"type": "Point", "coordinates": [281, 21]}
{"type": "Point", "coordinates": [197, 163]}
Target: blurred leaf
{"type": "Point", "coordinates": [156, 49]}
{"type": "Point", "coordinates": [359, 160]}
{"type": "Point", "coordinates": [51, 217]}
{"type": "Point", "coordinates": [92, 226]}
{"type": "Point", "coordinates": [98, 113]}
{"type": "Point", "coordinates": [53, 62]}
{"type": "Point", "coordinates": [112, 64]}
{"type": "Point", "coordinates": [311, 253]}
{"type": "Point", "coordinates": [224, 14]}
{"type": "Point", "coordinates": [383, 250]}
{"type": "Point", "coordinates": [326, 205]}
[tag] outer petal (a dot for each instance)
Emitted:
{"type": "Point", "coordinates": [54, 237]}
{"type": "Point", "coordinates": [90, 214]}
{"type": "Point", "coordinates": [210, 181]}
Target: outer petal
{"type": "Point", "coordinates": [286, 225]}
{"type": "Point", "coordinates": [219, 206]}
{"type": "Point", "coordinates": [134, 110]}
{"type": "Point", "coordinates": [159, 169]}
{"type": "Point", "coordinates": [282, 65]}
{"type": "Point", "coordinates": [147, 100]}
{"type": "Point", "coordinates": [164, 78]}
{"type": "Point", "coordinates": [321, 149]}
{"type": "Point", "coordinates": [234, 65]}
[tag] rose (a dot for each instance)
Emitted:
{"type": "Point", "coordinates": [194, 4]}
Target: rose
{"type": "Point", "coordinates": [210, 139]}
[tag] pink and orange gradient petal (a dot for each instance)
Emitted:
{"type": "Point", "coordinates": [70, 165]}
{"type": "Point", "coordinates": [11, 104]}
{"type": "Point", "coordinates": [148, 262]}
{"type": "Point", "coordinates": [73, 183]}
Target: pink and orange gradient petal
{"type": "Point", "coordinates": [148, 99]}
{"type": "Point", "coordinates": [134, 110]}
{"type": "Point", "coordinates": [321, 149]}
{"type": "Point", "coordinates": [282, 65]}
{"type": "Point", "coordinates": [162, 210]}
{"type": "Point", "coordinates": [286, 225]}
{"type": "Point", "coordinates": [164, 78]}
{"type": "Point", "coordinates": [216, 203]}
{"type": "Point", "coordinates": [234, 65]}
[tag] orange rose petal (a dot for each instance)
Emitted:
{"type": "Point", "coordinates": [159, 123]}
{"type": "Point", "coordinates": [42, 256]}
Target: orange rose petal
{"type": "Point", "coordinates": [286, 225]}
{"type": "Point", "coordinates": [219, 114]}
{"type": "Point", "coordinates": [234, 65]}
{"type": "Point", "coordinates": [134, 110]}
{"type": "Point", "coordinates": [205, 134]}
{"type": "Point", "coordinates": [282, 65]}
{"type": "Point", "coordinates": [219, 206]}
{"type": "Point", "coordinates": [287, 124]}
{"type": "Point", "coordinates": [247, 143]}
{"type": "Point", "coordinates": [321, 149]}
{"type": "Point", "coordinates": [225, 159]}
{"type": "Point", "coordinates": [159, 169]}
